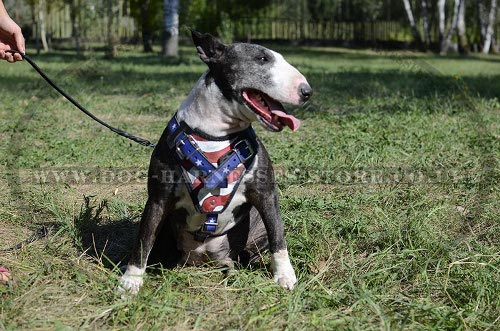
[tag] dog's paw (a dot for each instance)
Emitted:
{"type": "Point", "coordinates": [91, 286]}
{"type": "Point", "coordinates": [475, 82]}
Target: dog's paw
{"type": "Point", "coordinates": [286, 281]}
{"type": "Point", "coordinates": [131, 281]}
{"type": "Point", "coordinates": [283, 272]}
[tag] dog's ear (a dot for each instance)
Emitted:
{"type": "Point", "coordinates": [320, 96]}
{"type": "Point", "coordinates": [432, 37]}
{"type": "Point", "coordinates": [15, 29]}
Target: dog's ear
{"type": "Point", "coordinates": [209, 48]}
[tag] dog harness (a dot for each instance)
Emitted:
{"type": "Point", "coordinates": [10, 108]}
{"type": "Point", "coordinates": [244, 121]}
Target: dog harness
{"type": "Point", "coordinates": [212, 168]}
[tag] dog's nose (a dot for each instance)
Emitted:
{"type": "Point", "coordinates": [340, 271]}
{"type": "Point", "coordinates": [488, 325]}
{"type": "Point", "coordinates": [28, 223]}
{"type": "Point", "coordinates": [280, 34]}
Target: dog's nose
{"type": "Point", "coordinates": [305, 92]}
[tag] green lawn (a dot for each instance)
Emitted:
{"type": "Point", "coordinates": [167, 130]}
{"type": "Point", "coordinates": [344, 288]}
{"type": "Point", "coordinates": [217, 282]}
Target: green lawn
{"type": "Point", "coordinates": [389, 193]}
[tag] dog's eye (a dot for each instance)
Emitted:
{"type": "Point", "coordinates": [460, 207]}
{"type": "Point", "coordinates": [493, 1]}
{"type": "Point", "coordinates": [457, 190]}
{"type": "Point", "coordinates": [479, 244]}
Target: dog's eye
{"type": "Point", "coordinates": [262, 59]}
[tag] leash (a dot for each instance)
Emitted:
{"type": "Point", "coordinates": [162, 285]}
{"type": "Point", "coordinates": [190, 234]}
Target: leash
{"type": "Point", "coordinates": [40, 233]}
{"type": "Point", "coordinates": [122, 133]}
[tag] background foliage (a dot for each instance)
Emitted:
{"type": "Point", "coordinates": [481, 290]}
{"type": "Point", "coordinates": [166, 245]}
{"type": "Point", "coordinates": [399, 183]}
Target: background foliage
{"type": "Point", "coordinates": [349, 22]}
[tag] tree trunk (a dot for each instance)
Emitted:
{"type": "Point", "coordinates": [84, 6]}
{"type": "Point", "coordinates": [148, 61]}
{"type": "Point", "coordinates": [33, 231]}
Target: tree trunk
{"type": "Point", "coordinates": [73, 8]}
{"type": "Point", "coordinates": [442, 20]}
{"type": "Point", "coordinates": [489, 30]}
{"type": "Point", "coordinates": [454, 22]}
{"type": "Point", "coordinates": [462, 37]}
{"type": "Point", "coordinates": [170, 47]}
{"type": "Point", "coordinates": [43, 29]}
{"type": "Point", "coordinates": [111, 47]}
{"type": "Point", "coordinates": [48, 23]}
{"type": "Point", "coordinates": [34, 26]}
{"type": "Point", "coordinates": [480, 21]}
{"type": "Point", "coordinates": [147, 36]}
{"type": "Point", "coordinates": [426, 25]}
{"type": "Point", "coordinates": [413, 25]}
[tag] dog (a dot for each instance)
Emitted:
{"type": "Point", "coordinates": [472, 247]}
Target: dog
{"type": "Point", "coordinates": [211, 189]}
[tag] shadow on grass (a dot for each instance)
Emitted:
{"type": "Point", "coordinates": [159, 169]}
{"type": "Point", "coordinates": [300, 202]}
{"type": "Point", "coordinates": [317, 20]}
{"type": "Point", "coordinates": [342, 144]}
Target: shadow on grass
{"type": "Point", "coordinates": [139, 58]}
{"type": "Point", "coordinates": [378, 54]}
{"type": "Point", "coordinates": [100, 80]}
{"type": "Point", "coordinates": [101, 77]}
{"type": "Point", "coordinates": [109, 241]}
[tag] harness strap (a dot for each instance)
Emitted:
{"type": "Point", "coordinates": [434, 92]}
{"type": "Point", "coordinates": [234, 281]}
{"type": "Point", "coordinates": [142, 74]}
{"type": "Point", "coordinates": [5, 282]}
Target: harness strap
{"type": "Point", "coordinates": [240, 154]}
{"type": "Point", "coordinates": [187, 149]}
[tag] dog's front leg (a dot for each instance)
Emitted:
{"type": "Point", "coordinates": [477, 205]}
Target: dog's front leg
{"type": "Point", "coordinates": [283, 272]}
{"type": "Point", "coordinates": [151, 220]}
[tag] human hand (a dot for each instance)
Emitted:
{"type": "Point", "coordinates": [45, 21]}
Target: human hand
{"type": "Point", "coordinates": [11, 37]}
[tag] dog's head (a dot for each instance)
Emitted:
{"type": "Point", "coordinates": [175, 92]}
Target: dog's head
{"type": "Point", "coordinates": [256, 77]}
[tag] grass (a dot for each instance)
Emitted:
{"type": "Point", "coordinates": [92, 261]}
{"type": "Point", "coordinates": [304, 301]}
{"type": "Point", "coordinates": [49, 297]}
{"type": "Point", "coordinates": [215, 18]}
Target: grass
{"type": "Point", "coordinates": [389, 194]}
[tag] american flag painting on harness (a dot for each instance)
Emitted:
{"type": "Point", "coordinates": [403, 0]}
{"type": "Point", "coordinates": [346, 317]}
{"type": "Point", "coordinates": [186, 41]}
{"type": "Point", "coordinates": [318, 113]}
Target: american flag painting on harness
{"type": "Point", "coordinates": [213, 200]}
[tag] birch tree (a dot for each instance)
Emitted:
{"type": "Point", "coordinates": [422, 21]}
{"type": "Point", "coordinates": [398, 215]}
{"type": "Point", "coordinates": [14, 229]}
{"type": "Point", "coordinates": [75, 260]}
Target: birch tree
{"type": "Point", "coordinates": [426, 24]}
{"type": "Point", "coordinates": [111, 42]}
{"type": "Point", "coordinates": [480, 21]}
{"type": "Point", "coordinates": [75, 29]}
{"type": "Point", "coordinates": [488, 40]}
{"type": "Point", "coordinates": [170, 45]}
{"type": "Point", "coordinates": [442, 20]}
{"type": "Point", "coordinates": [411, 19]}
{"type": "Point", "coordinates": [42, 24]}
{"type": "Point", "coordinates": [445, 45]}
{"type": "Point", "coordinates": [462, 37]}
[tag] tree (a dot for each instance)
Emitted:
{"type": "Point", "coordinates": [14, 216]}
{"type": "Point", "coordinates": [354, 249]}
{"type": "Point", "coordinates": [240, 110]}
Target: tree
{"type": "Point", "coordinates": [445, 45]}
{"type": "Point", "coordinates": [426, 24]}
{"type": "Point", "coordinates": [75, 29]}
{"type": "Point", "coordinates": [489, 30]}
{"type": "Point", "coordinates": [42, 23]}
{"type": "Point", "coordinates": [442, 20]}
{"type": "Point", "coordinates": [148, 15]}
{"type": "Point", "coordinates": [462, 37]}
{"type": "Point", "coordinates": [480, 21]}
{"type": "Point", "coordinates": [147, 35]}
{"type": "Point", "coordinates": [170, 45]}
{"type": "Point", "coordinates": [413, 25]}
{"type": "Point", "coordinates": [111, 50]}
{"type": "Point", "coordinates": [210, 16]}
{"type": "Point", "coordinates": [322, 10]}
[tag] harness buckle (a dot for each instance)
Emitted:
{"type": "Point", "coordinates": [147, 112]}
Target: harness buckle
{"type": "Point", "coordinates": [181, 143]}
{"type": "Point", "coordinates": [207, 229]}
{"type": "Point", "coordinates": [210, 225]}
{"type": "Point", "coordinates": [243, 157]}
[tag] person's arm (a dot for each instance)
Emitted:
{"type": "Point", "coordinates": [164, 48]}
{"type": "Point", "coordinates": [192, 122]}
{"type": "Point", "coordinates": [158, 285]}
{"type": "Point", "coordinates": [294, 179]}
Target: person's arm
{"type": "Point", "coordinates": [11, 36]}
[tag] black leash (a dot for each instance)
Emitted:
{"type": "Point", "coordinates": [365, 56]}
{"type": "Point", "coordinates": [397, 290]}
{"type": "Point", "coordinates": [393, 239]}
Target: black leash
{"type": "Point", "coordinates": [38, 234]}
{"type": "Point", "coordinates": [138, 140]}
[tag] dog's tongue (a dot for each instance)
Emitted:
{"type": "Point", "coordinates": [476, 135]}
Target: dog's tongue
{"type": "Point", "coordinates": [292, 122]}
{"type": "Point", "coordinates": [283, 118]}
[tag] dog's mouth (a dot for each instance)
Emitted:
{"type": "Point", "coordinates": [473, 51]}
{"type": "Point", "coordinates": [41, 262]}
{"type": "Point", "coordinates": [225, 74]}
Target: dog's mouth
{"type": "Point", "coordinates": [270, 112]}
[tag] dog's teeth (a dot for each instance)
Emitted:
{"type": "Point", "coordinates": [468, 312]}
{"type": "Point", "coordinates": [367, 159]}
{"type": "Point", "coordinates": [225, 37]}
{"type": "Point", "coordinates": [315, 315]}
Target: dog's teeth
{"type": "Point", "coordinates": [261, 100]}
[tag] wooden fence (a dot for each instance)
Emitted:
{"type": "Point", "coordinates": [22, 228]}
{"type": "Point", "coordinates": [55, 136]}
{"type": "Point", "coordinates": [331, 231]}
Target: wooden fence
{"type": "Point", "coordinates": [92, 24]}
{"type": "Point", "coordinates": [297, 30]}
{"type": "Point", "coordinates": [286, 29]}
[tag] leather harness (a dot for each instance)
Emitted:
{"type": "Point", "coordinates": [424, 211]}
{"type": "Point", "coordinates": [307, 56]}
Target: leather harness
{"type": "Point", "coordinates": [213, 168]}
